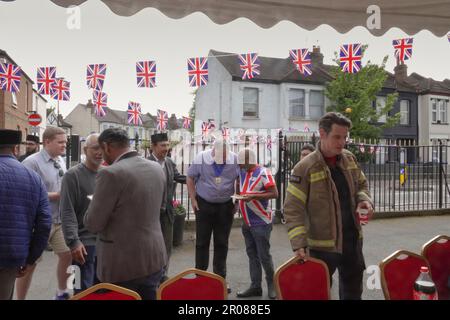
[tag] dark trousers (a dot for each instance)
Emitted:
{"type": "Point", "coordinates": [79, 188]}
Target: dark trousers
{"type": "Point", "coordinates": [167, 231]}
{"type": "Point", "coordinates": [350, 265]}
{"type": "Point", "coordinates": [257, 243]}
{"type": "Point", "coordinates": [146, 287]}
{"type": "Point", "coordinates": [88, 270]}
{"type": "Point", "coordinates": [216, 219]}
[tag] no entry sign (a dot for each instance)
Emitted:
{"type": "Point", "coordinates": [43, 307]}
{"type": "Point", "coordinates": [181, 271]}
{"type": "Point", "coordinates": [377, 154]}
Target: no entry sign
{"type": "Point", "coordinates": [34, 119]}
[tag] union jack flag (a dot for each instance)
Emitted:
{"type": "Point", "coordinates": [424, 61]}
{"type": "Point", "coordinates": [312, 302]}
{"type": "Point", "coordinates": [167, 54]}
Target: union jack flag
{"type": "Point", "coordinates": [162, 119]}
{"type": "Point", "coordinates": [306, 128]}
{"type": "Point", "coordinates": [372, 149]}
{"type": "Point", "coordinates": [269, 143]}
{"type": "Point", "coordinates": [10, 77]}
{"type": "Point", "coordinates": [95, 76]}
{"type": "Point", "coordinates": [205, 129]}
{"type": "Point", "coordinates": [249, 64]}
{"type": "Point", "coordinates": [302, 60]}
{"type": "Point", "coordinates": [100, 101]}
{"type": "Point", "coordinates": [212, 124]}
{"type": "Point", "coordinates": [187, 122]}
{"type": "Point", "coordinates": [403, 48]}
{"type": "Point", "coordinates": [226, 133]}
{"type": "Point", "coordinates": [350, 57]}
{"type": "Point", "coordinates": [134, 113]}
{"type": "Point", "coordinates": [61, 90]}
{"type": "Point", "coordinates": [198, 71]}
{"type": "Point", "coordinates": [253, 139]}
{"type": "Point", "coordinates": [146, 74]}
{"type": "Point", "coordinates": [46, 77]}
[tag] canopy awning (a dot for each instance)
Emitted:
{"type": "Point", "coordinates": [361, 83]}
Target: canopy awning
{"type": "Point", "coordinates": [411, 16]}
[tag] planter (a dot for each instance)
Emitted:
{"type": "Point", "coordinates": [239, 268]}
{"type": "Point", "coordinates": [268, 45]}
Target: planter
{"type": "Point", "coordinates": [178, 229]}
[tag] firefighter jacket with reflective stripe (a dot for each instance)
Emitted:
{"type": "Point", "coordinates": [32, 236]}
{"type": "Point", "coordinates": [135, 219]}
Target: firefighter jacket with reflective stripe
{"type": "Point", "coordinates": [312, 209]}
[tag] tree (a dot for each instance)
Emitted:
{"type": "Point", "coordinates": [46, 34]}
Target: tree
{"type": "Point", "coordinates": [353, 95]}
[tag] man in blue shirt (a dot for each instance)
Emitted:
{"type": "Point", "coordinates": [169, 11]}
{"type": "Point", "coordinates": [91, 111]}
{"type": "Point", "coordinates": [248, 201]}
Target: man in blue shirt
{"type": "Point", "coordinates": [25, 217]}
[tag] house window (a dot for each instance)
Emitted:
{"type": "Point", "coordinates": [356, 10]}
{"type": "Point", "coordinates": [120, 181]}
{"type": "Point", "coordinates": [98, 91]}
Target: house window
{"type": "Point", "coordinates": [251, 102]}
{"type": "Point", "coordinates": [297, 103]}
{"type": "Point", "coordinates": [316, 104]}
{"type": "Point", "coordinates": [380, 104]}
{"type": "Point", "coordinates": [439, 109]}
{"type": "Point", "coordinates": [404, 112]}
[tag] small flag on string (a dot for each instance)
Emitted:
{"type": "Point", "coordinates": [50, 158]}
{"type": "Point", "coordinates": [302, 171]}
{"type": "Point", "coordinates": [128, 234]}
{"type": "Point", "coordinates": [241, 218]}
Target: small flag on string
{"type": "Point", "coordinates": [302, 60]}
{"type": "Point", "coordinates": [403, 48]}
{"type": "Point", "coordinates": [205, 129]}
{"type": "Point", "coordinates": [269, 142]}
{"type": "Point", "coordinates": [95, 76]}
{"type": "Point", "coordinates": [134, 113]}
{"type": "Point", "coordinates": [187, 122]}
{"type": "Point", "coordinates": [146, 74]}
{"type": "Point", "coordinates": [249, 63]}
{"type": "Point", "coordinates": [46, 77]}
{"type": "Point", "coordinates": [100, 102]}
{"type": "Point", "coordinates": [162, 119]}
{"type": "Point", "coordinates": [61, 90]}
{"type": "Point", "coordinates": [350, 56]}
{"type": "Point", "coordinates": [10, 76]}
{"type": "Point", "coordinates": [212, 124]}
{"type": "Point", "coordinates": [198, 72]}
{"type": "Point", "coordinates": [226, 133]}
{"type": "Point", "coordinates": [306, 128]}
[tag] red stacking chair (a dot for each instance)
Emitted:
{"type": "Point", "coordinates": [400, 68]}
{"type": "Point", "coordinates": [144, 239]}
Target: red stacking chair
{"type": "Point", "coordinates": [437, 253]}
{"type": "Point", "coordinates": [302, 280]}
{"type": "Point", "coordinates": [106, 291]}
{"type": "Point", "coordinates": [193, 284]}
{"type": "Point", "coordinates": [399, 271]}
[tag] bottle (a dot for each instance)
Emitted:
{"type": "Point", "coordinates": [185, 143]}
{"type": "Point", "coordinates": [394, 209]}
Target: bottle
{"type": "Point", "coordinates": [424, 288]}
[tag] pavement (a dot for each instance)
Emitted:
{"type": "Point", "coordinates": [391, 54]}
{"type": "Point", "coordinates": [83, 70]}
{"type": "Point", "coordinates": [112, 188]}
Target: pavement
{"type": "Point", "coordinates": [381, 238]}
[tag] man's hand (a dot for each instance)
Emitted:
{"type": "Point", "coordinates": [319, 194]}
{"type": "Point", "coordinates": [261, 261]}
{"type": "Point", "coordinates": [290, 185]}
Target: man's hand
{"type": "Point", "coordinates": [235, 208]}
{"type": "Point", "coordinates": [78, 254]}
{"type": "Point", "coordinates": [366, 205]}
{"type": "Point", "coordinates": [249, 197]}
{"type": "Point", "coordinates": [301, 253]}
{"type": "Point", "coordinates": [194, 205]}
{"type": "Point", "coordinates": [22, 271]}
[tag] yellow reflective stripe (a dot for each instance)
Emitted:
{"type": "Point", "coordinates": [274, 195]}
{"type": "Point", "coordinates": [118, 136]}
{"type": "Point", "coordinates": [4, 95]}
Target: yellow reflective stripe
{"type": "Point", "coordinates": [296, 231]}
{"type": "Point", "coordinates": [320, 243]}
{"type": "Point", "coordinates": [296, 192]}
{"type": "Point", "coordinates": [318, 176]}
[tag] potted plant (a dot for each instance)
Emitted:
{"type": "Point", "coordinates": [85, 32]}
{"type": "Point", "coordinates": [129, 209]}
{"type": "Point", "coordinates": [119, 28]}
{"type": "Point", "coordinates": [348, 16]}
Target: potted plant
{"type": "Point", "coordinates": [178, 224]}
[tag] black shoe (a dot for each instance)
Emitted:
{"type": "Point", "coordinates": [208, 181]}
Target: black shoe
{"type": "Point", "coordinates": [250, 292]}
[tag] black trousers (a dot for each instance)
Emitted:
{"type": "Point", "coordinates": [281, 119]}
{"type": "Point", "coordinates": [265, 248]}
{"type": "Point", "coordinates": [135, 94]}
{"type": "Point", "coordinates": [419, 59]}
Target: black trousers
{"type": "Point", "coordinates": [350, 265]}
{"type": "Point", "coordinates": [216, 219]}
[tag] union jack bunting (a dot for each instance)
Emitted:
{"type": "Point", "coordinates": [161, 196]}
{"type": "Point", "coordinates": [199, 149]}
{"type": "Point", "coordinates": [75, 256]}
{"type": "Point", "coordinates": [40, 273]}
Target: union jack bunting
{"type": "Point", "coordinates": [205, 129]}
{"type": "Point", "coordinates": [134, 113]}
{"type": "Point", "coordinates": [187, 122]}
{"type": "Point", "coordinates": [372, 149]}
{"type": "Point", "coordinates": [226, 133]}
{"type": "Point", "coordinates": [95, 76]}
{"type": "Point", "coordinates": [302, 60]}
{"type": "Point", "coordinates": [46, 77]}
{"type": "Point", "coordinates": [100, 102]}
{"type": "Point", "coordinates": [162, 119]}
{"type": "Point", "coordinates": [61, 90]}
{"type": "Point", "coordinates": [212, 124]}
{"type": "Point", "coordinates": [306, 128]}
{"type": "Point", "coordinates": [253, 139]}
{"type": "Point", "coordinates": [403, 48]}
{"type": "Point", "coordinates": [249, 63]}
{"type": "Point", "coordinates": [10, 77]}
{"type": "Point", "coordinates": [146, 74]}
{"type": "Point", "coordinates": [350, 57]}
{"type": "Point", "coordinates": [198, 72]}
{"type": "Point", "coordinates": [269, 143]}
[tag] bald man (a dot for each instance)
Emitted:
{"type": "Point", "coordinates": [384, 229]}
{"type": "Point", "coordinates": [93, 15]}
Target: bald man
{"type": "Point", "coordinates": [78, 183]}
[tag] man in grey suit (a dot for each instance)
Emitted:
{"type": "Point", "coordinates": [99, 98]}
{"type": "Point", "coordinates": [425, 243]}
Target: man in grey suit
{"type": "Point", "coordinates": [125, 211]}
{"type": "Point", "coordinates": [160, 147]}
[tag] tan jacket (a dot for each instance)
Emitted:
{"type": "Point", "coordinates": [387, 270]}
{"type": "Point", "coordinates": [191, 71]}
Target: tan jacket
{"type": "Point", "coordinates": [312, 210]}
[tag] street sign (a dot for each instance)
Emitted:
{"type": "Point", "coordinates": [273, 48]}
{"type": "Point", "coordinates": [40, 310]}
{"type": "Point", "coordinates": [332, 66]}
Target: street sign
{"type": "Point", "coordinates": [34, 119]}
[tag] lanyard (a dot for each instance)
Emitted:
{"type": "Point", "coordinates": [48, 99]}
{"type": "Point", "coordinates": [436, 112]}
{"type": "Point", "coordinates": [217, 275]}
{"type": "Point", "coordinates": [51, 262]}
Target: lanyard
{"type": "Point", "coordinates": [218, 168]}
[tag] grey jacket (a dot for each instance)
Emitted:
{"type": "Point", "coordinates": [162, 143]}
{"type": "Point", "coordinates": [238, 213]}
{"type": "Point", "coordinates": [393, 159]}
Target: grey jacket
{"type": "Point", "coordinates": [173, 176]}
{"type": "Point", "coordinates": [125, 213]}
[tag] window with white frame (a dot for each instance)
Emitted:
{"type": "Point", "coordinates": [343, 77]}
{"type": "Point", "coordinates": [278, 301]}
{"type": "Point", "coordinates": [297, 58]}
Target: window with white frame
{"type": "Point", "coordinates": [439, 110]}
{"type": "Point", "coordinates": [404, 112]}
{"type": "Point", "coordinates": [380, 104]}
{"type": "Point", "coordinates": [296, 103]}
{"type": "Point", "coordinates": [316, 104]}
{"type": "Point", "coordinates": [251, 102]}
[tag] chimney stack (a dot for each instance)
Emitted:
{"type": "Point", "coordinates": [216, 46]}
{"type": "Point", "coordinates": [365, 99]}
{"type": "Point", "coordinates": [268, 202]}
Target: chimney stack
{"type": "Point", "coordinates": [316, 56]}
{"type": "Point", "coordinates": [401, 72]}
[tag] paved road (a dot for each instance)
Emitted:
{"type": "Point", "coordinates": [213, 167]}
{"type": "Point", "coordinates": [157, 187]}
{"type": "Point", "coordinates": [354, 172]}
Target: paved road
{"type": "Point", "coordinates": [382, 237]}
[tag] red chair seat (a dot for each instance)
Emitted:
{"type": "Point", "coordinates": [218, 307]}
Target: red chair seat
{"type": "Point", "coordinates": [437, 253]}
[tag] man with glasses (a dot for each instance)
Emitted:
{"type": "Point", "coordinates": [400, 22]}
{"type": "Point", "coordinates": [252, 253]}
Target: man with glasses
{"type": "Point", "coordinates": [32, 146]}
{"type": "Point", "coordinates": [49, 165]}
{"type": "Point", "coordinates": [78, 183]}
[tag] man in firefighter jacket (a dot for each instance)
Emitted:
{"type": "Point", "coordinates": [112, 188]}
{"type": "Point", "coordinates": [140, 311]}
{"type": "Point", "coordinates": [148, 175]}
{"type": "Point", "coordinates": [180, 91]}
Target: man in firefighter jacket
{"type": "Point", "coordinates": [325, 191]}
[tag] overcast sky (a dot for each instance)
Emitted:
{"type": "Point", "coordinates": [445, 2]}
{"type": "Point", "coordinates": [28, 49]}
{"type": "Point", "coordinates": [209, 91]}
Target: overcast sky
{"type": "Point", "coordinates": [35, 34]}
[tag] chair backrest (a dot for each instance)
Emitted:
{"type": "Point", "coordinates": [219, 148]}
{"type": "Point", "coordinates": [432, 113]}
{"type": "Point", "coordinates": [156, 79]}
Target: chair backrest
{"type": "Point", "coordinates": [399, 271]}
{"type": "Point", "coordinates": [437, 253]}
{"type": "Point", "coordinates": [107, 291]}
{"type": "Point", "coordinates": [193, 284]}
{"type": "Point", "coordinates": [302, 280]}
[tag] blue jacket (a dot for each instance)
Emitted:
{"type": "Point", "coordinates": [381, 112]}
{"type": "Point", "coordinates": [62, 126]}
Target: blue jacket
{"type": "Point", "coordinates": [25, 217]}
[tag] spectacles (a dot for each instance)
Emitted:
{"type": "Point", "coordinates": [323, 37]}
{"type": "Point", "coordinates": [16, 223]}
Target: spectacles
{"type": "Point", "coordinates": [57, 166]}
